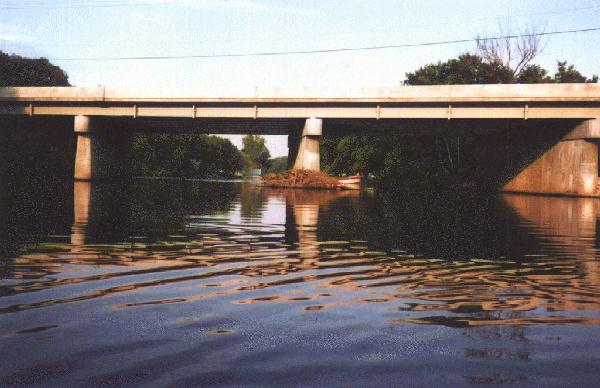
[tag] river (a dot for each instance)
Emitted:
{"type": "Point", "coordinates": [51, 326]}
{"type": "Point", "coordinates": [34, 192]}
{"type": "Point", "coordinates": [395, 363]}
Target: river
{"type": "Point", "coordinates": [171, 283]}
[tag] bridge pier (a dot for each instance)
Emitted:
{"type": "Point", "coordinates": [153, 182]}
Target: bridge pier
{"type": "Point", "coordinates": [304, 152]}
{"type": "Point", "coordinates": [568, 168]}
{"type": "Point", "coordinates": [103, 149]}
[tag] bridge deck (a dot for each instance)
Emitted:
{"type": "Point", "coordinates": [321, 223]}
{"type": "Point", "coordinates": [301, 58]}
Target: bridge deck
{"type": "Point", "coordinates": [516, 101]}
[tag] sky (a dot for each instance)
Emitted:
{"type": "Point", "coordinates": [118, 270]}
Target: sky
{"type": "Point", "coordinates": [80, 36]}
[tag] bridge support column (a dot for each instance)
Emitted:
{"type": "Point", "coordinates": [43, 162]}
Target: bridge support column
{"type": "Point", "coordinates": [568, 168]}
{"type": "Point", "coordinates": [305, 155]}
{"type": "Point", "coordinates": [103, 150]}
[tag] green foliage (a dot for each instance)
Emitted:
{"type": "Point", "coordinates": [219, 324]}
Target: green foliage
{"type": "Point", "coordinates": [472, 69]}
{"type": "Point", "coordinates": [351, 154]}
{"type": "Point", "coordinates": [533, 74]}
{"type": "Point", "coordinates": [185, 155]}
{"type": "Point", "coordinates": [395, 159]}
{"type": "Point", "coordinates": [18, 71]}
{"type": "Point", "coordinates": [277, 165]}
{"type": "Point", "coordinates": [256, 154]}
{"type": "Point", "coordinates": [466, 69]}
{"type": "Point", "coordinates": [568, 74]}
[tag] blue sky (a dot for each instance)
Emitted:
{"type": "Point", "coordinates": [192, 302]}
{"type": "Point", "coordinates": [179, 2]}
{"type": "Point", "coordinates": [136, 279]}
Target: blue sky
{"type": "Point", "coordinates": [62, 29]}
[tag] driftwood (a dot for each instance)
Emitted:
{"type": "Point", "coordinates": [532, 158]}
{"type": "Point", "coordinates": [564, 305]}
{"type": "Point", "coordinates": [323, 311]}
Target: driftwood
{"type": "Point", "coordinates": [301, 179]}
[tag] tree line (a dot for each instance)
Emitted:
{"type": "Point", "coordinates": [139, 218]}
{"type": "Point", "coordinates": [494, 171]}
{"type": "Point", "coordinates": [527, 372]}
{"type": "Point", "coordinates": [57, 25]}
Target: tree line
{"type": "Point", "coordinates": [197, 155]}
{"type": "Point", "coordinates": [16, 70]}
{"type": "Point", "coordinates": [474, 69]}
{"type": "Point", "coordinates": [185, 155]}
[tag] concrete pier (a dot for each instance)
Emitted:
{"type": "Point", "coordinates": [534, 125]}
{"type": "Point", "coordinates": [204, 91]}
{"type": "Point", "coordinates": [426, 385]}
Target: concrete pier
{"type": "Point", "coordinates": [307, 156]}
{"type": "Point", "coordinates": [103, 149]}
{"type": "Point", "coordinates": [568, 168]}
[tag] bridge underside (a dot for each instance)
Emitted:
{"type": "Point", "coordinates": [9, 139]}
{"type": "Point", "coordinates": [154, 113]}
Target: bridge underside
{"type": "Point", "coordinates": [333, 126]}
{"type": "Point", "coordinates": [287, 126]}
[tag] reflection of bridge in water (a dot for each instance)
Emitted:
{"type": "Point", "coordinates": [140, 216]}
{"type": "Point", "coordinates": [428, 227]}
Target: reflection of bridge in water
{"type": "Point", "coordinates": [100, 213]}
{"type": "Point", "coordinates": [564, 275]}
{"type": "Point", "coordinates": [96, 206]}
{"type": "Point", "coordinates": [82, 202]}
{"type": "Point", "coordinates": [569, 225]}
{"type": "Point", "coordinates": [302, 217]}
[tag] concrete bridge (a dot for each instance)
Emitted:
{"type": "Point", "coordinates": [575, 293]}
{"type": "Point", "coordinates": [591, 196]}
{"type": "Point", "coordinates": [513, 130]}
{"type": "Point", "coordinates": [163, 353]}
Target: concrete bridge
{"type": "Point", "coordinates": [105, 117]}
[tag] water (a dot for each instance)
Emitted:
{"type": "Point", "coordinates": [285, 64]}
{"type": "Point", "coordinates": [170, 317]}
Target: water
{"type": "Point", "coordinates": [162, 282]}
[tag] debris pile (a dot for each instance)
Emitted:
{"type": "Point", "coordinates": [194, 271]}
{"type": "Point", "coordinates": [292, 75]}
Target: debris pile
{"type": "Point", "coordinates": [301, 179]}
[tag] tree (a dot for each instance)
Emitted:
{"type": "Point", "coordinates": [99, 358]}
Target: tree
{"type": "Point", "coordinates": [466, 69]}
{"type": "Point", "coordinates": [18, 71]}
{"type": "Point", "coordinates": [473, 69]}
{"type": "Point", "coordinates": [185, 155]}
{"type": "Point", "coordinates": [255, 152]}
{"type": "Point", "coordinates": [568, 74]}
{"type": "Point", "coordinates": [277, 165]}
{"type": "Point", "coordinates": [509, 50]}
{"type": "Point", "coordinates": [351, 154]}
{"type": "Point", "coordinates": [533, 74]}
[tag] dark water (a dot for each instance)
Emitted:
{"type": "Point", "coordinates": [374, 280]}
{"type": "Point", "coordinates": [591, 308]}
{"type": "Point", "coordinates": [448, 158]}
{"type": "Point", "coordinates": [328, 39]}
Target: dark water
{"type": "Point", "coordinates": [209, 283]}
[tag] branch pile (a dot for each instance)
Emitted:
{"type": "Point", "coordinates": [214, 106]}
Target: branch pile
{"type": "Point", "coordinates": [301, 179]}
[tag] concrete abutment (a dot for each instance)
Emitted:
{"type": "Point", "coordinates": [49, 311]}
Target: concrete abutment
{"type": "Point", "coordinates": [568, 168]}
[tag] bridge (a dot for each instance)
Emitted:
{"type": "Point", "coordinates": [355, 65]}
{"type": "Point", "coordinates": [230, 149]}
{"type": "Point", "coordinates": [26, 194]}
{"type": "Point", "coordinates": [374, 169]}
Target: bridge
{"type": "Point", "coordinates": [103, 118]}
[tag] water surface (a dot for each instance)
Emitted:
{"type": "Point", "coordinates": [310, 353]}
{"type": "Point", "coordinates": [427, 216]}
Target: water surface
{"type": "Point", "coordinates": [221, 283]}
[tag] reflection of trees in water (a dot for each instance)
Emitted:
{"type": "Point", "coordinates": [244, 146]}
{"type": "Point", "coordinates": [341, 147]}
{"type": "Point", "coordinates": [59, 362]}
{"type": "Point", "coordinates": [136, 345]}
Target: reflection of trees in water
{"type": "Point", "coordinates": [36, 164]}
{"type": "Point", "coordinates": [31, 210]}
{"type": "Point", "coordinates": [103, 212]}
{"type": "Point", "coordinates": [563, 276]}
{"type": "Point", "coordinates": [510, 334]}
{"type": "Point", "coordinates": [100, 212]}
{"type": "Point", "coordinates": [252, 201]}
{"type": "Point", "coordinates": [452, 224]}
{"type": "Point", "coordinates": [159, 207]}
{"type": "Point", "coordinates": [466, 225]}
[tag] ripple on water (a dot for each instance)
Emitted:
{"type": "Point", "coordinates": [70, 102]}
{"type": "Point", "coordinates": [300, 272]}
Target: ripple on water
{"type": "Point", "coordinates": [249, 261]}
{"type": "Point", "coordinates": [277, 283]}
